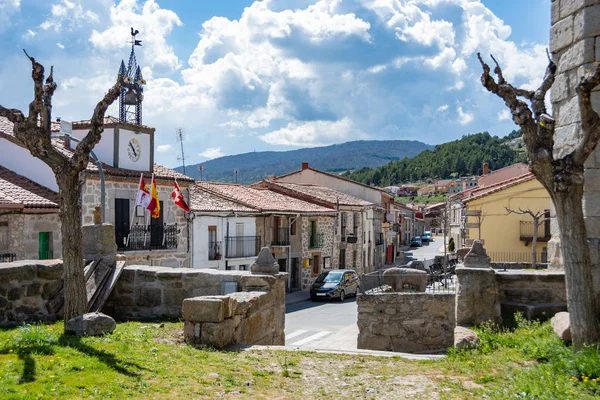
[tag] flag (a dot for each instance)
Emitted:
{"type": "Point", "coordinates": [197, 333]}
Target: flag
{"type": "Point", "coordinates": [177, 197]}
{"type": "Point", "coordinates": [143, 195]}
{"type": "Point", "coordinates": [154, 205]}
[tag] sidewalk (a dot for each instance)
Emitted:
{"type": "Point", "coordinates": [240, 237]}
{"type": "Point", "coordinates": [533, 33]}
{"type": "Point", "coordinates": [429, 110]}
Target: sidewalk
{"type": "Point", "coordinates": [296, 297]}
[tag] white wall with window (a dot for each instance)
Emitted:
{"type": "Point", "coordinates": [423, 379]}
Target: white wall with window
{"type": "Point", "coordinates": [223, 242]}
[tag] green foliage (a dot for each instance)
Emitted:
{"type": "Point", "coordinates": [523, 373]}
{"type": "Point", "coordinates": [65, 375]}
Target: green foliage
{"type": "Point", "coordinates": [33, 338]}
{"type": "Point", "coordinates": [462, 157]}
{"type": "Point", "coordinates": [451, 245]}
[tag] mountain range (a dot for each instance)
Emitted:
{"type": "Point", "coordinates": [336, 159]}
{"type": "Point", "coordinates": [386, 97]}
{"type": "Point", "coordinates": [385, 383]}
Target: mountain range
{"type": "Point", "coordinates": [337, 158]}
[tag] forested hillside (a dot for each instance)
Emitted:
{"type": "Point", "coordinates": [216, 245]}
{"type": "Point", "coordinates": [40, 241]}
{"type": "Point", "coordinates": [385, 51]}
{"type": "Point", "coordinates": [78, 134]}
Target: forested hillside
{"type": "Point", "coordinates": [253, 167]}
{"type": "Point", "coordinates": [458, 158]}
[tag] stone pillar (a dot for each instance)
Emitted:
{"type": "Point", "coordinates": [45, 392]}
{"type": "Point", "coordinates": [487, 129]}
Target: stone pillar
{"type": "Point", "coordinates": [477, 296]}
{"type": "Point", "coordinates": [98, 241]}
{"type": "Point", "coordinates": [575, 45]}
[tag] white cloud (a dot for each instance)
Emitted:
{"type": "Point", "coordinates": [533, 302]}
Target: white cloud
{"type": "Point", "coordinates": [163, 148]}
{"type": "Point", "coordinates": [212, 152]}
{"type": "Point", "coordinates": [504, 115]}
{"type": "Point", "coordinates": [67, 15]}
{"type": "Point", "coordinates": [154, 24]}
{"type": "Point", "coordinates": [29, 34]}
{"type": "Point", "coordinates": [60, 45]}
{"type": "Point", "coordinates": [8, 8]}
{"type": "Point", "coordinates": [313, 133]}
{"type": "Point", "coordinates": [464, 118]}
{"type": "Point", "coordinates": [443, 108]}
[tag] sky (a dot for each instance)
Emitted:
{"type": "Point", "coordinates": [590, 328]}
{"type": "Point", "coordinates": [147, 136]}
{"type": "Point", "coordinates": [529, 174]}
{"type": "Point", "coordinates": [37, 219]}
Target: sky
{"type": "Point", "coordinates": [239, 76]}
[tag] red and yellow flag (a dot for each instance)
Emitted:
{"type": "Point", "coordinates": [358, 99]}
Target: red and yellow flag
{"type": "Point", "coordinates": [154, 206]}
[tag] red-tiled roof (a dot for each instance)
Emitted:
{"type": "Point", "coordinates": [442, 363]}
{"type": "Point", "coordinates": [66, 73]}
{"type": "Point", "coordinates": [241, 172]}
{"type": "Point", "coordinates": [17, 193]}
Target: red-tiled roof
{"type": "Point", "coordinates": [314, 194]}
{"type": "Point", "coordinates": [503, 174]}
{"type": "Point", "coordinates": [17, 190]}
{"type": "Point", "coordinates": [203, 200]}
{"type": "Point", "coordinates": [477, 193]}
{"type": "Point", "coordinates": [262, 199]}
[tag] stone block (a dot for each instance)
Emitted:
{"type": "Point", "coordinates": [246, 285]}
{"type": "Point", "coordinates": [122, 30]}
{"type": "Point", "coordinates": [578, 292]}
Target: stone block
{"type": "Point", "coordinates": [50, 270]}
{"type": "Point", "coordinates": [127, 276]}
{"type": "Point", "coordinates": [16, 293]}
{"type": "Point", "coordinates": [265, 262]}
{"type": "Point", "coordinates": [148, 297]}
{"type": "Point", "coordinates": [90, 324]}
{"type": "Point", "coordinates": [555, 12]}
{"type": "Point", "coordinates": [202, 309]}
{"type": "Point", "coordinates": [145, 276]}
{"type": "Point", "coordinates": [561, 34]}
{"type": "Point", "coordinates": [477, 297]}
{"type": "Point", "coordinates": [374, 342]}
{"type": "Point", "coordinates": [591, 204]}
{"type": "Point", "coordinates": [568, 113]}
{"type": "Point", "coordinates": [17, 271]}
{"type": "Point", "coordinates": [586, 23]}
{"type": "Point", "coordinates": [565, 138]}
{"type": "Point", "coordinates": [191, 332]}
{"type": "Point", "coordinates": [592, 225]}
{"type": "Point", "coordinates": [98, 240]}
{"type": "Point", "coordinates": [174, 297]}
{"type": "Point", "coordinates": [405, 279]}
{"type": "Point", "coordinates": [581, 52]}
{"type": "Point", "coordinates": [34, 289]}
{"type": "Point", "coordinates": [465, 338]}
{"type": "Point", "coordinates": [217, 335]}
{"type": "Point", "coordinates": [477, 257]}
{"type": "Point", "coordinates": [562, 325]}
{"type": "Point", "coordinates": [560, 88]}
{"type": "Point", "coordinates": [568, 7]}
{"type": "Point", "coordinates": [592, 180]}
{"type": "Point", "coordinates": [164, 275]}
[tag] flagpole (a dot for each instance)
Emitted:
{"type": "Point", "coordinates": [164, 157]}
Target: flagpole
{"type": "Point", "coordinates": [134, 208]}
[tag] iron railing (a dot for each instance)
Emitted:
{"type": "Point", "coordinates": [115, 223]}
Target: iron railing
{"type": "Point", "coordinates": [150, 237]}
{"type": "Point", "coordinates": [281, 236]}
{"type": "Point", "coordinates": [316, 241]}
{"type": "Point", "coordinates": [241, 246]}
{"type": "Point", "coordinates": [378, 238]}
{"type": "Point", "coordinates": [517, 256]}
{"type": "Point", "coordinates": [7, 257]}
{"type": "Point", "coordinates": [214, 250]}
{"type": "Point", "coordinates": [526, 230]}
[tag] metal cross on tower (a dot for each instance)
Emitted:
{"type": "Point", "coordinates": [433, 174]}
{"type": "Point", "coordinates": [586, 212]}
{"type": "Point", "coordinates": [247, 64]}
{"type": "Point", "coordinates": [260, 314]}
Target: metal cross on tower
{"type": "Point", "coordinates": [132, 91]}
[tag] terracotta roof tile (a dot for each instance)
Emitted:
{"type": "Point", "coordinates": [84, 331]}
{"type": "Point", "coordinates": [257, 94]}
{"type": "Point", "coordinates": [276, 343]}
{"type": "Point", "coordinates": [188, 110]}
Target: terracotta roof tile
{"type": "Point", "coordinates": [503, 174]}
{"type": "Point", "coordinates": [262, 199]}
{"type": "Point", "coordinates": [333, 176]}
{"type": "Point", "coordinates": [321, 194]}
{"type": "Point", "coordinates": [477, 193]}
{"type": "Point", "coordinates": [18, 190]}
{"type": "Point", "coordinates": [203, 200]}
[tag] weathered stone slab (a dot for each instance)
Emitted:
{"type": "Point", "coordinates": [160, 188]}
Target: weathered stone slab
{"type": "Point", "coordinates": [265, 262]}
{"type": "Point", "coordinates": [477, 257]}
{"type": "Point", "coordinates": [405, 279]}
{"type": "Point", "coordinates": [562, 325]}
{"type": "Point", "coordinates": [477, 296]}
{"type": "Point", "coordinates": [90, 324]}
{"type": "Point", "coordinates": [203, 309]}
{"type": "Point", "coordinates": [98, 240]}
{"type": "Point", "coordinates": [465, 338]}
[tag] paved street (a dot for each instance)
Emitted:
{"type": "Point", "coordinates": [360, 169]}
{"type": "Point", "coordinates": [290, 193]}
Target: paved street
{"type": "Point", "coordinates": [322, 325]}
{"type": "Point", "coordinates": [427, 252]}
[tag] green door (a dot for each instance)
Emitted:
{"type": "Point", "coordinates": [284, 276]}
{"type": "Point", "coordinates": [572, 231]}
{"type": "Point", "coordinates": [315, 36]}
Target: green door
{"type": "Point", "coordinates": [44, 246]}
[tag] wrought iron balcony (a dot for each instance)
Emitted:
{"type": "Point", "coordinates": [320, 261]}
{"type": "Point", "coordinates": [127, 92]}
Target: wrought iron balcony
{"type": "Point", "coordinates": [526, 231]}
{"type": "Point", "coordinates": [281, 236]}
{"type": "Point", "coordinates": [316, 241]}
{"type": "Point", "coordinates": [242, 246]}
{"type": "Point", "coordinates": [149, 237]}
{"type": "Point", "coordinates": [214, 250]}
{"type": "Point", "coordinates": [7, 257]}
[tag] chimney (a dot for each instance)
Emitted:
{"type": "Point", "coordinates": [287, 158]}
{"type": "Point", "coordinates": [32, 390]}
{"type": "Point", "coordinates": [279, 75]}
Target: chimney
{"type": "Point", "coordinates": [304, 165]}
{"type": "Point", "coordinates": [486, 168]}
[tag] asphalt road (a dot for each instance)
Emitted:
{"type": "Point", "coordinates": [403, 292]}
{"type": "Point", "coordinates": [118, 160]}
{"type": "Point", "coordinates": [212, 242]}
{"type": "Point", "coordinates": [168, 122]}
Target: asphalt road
{"type": "Point", "coordinates": [327, 325]}
{"type": "Point", "coordinates": [426, 252]}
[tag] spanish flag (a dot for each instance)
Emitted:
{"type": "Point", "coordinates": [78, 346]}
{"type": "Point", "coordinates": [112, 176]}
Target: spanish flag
{"type": "Point", "coordinates": [154, 206]}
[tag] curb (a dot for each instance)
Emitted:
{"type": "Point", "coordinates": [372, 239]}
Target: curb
{"type": "Point", "coordinates": [296, 301]}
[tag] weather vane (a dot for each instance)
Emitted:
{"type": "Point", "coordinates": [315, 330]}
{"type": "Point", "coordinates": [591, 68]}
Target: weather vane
{"type": "Point", "coordinates": [130, 100]}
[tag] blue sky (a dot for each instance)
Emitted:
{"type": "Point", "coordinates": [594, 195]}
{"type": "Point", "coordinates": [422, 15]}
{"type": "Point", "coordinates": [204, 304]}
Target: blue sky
{"type": "Point", "coordinates": [239, 76]}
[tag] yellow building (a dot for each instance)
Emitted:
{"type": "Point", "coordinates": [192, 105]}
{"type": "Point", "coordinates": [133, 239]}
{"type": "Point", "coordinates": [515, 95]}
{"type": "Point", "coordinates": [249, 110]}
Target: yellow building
{"type": "Point", "coordinates": [507, 236]}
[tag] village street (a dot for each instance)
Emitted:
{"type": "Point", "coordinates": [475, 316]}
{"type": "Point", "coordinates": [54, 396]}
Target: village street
{"type": "Point", "coordinates": [332, 325]}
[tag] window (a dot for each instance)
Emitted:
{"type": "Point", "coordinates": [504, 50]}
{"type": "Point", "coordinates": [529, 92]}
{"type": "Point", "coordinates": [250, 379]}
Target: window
{"type": "Point", "coordinates": [293, 227]}
{"type": "Point", "coordinates": [354, 259]}
{"type": "Point", "coordinates": [243, 267]}
{"type": "Point", "coordinates": [282, 264]}
{"type": "Point", "coordinates": [227, 266]}
{"type": "Point", "coordinates": [342, 258]}
{"type": "Point", "coordinates": [214, 246]}
{"type": "Point", "coordinates": [355, 219]}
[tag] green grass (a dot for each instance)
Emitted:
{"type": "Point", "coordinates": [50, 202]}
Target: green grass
{"type": "Point", "coordinates": [149, 360]}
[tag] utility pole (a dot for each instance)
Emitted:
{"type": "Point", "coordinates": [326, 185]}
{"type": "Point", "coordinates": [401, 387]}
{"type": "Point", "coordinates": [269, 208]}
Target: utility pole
{"type": "Point", "coordinates": [200, 169]}
{"type": "Point", "coordinates": [236, 176]}
{"type": "Point", "coordinates": [180, 140]}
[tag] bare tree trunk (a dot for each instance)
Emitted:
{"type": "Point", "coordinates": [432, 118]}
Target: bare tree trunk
{"type": "Point", "coordinates": [583, 310]}
{"type": "Point", "coordinates": [70, 216]}
{"type": "Point", "coordinates": [534, 243]}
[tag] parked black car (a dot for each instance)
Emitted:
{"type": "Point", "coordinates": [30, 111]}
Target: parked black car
{"type": "Point", "coordinates": [337, 283]}
{"type": "Point", "coordinates": [416, 242]}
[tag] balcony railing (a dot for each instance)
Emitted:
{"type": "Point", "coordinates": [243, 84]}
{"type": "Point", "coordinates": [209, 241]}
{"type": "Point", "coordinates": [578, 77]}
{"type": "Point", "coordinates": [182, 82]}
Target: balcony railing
{"type": "Point", "coordinates": [378, 238]}
{"type": "Point", "coordinates": [526, 232]}
{"type": "Point", "coordinates": [316, 241]}
{"type": "Point", "coordinates": [149, 237]}
{"type": "Point", "coordinates": [7, 257]}
{"type": "Point", "coordinates": [242, 246]}
{"type": "Point", "coordinates": [214, 250]}
{"type": "Point", "coordinates": [281, 236]}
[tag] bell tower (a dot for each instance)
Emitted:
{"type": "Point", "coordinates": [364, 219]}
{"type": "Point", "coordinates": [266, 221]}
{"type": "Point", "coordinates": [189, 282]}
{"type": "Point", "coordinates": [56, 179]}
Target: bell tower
{"type": "Point", "coordinates": [132, 91]}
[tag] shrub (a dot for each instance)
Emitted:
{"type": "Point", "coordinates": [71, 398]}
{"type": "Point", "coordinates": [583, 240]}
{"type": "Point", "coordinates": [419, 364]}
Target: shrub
{"type": "Point", "coordinates": [451, 245]}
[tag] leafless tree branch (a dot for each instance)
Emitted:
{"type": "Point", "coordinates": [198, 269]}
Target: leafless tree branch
{"type": "Point", "coordinates": [590, 121]}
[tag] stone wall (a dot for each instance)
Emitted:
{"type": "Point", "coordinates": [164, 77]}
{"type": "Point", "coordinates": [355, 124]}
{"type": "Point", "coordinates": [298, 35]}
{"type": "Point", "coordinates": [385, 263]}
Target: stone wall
{"type": "Point", "coordinates": [125, 188]}
{"type": "Point", "coordinates": [406, 322]}
{"type": "Point", "coordinates": [477, 296]}
{"type": "Point", "coordinates": [144, 292]}
{"type": "Point", "coordinates": [243, 318]}
{"type": "Point", "coordinates": [575, 45]}
{"type": "Point", "coordinates": [19, 234]}
{"type": "Point", "coordinates": [26, 287]}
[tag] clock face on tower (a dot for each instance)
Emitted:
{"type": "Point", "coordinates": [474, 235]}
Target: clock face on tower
{"type": "Point", "coordinates": [134, 149]}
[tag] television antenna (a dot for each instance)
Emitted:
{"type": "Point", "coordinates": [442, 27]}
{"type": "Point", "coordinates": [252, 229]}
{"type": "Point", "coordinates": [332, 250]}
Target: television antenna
{"type": "Point", "coordinates": [181, 158]}
{"type": "Point", "coordinates": [201, 169]}
{"type": "Point", "coordinates": [236, 176]}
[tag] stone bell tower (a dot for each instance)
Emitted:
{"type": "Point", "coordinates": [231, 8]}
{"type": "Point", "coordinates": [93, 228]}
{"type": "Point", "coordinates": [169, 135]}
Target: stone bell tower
{"type": "Point", "coordinates": [132, 92]}
{"type": "Point", "coordinates": [575, 46]}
